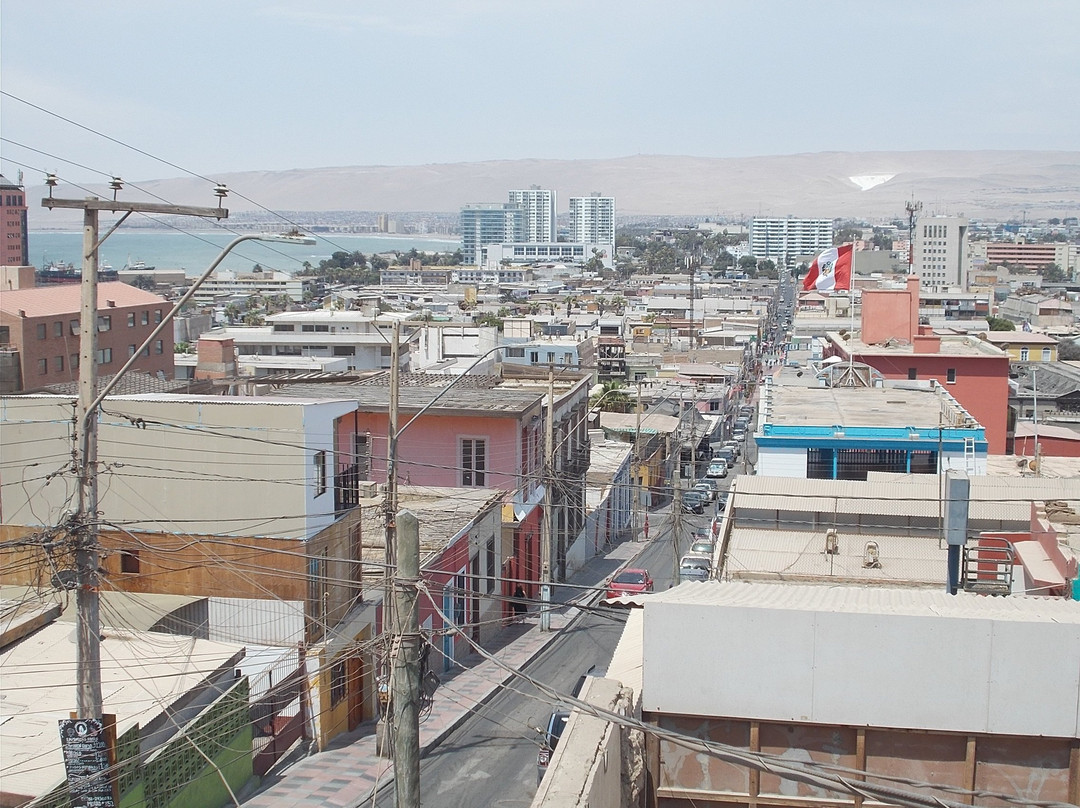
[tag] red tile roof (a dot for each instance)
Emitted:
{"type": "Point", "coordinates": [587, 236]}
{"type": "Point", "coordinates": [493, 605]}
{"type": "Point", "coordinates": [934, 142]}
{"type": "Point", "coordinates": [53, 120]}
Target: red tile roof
{"type": "Point", "coordinates": [45, 301]}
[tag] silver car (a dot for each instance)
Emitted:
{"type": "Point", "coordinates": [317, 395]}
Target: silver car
{"type": "Point", "coordinates": [694, 568]}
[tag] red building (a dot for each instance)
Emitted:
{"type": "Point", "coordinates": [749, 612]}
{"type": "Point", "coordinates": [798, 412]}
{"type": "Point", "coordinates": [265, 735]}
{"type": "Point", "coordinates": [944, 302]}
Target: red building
{"type": "Point", "coordinates": [41, 326]}
{"type": "Point", "coordinates": [14, 247]}
{"type": "Point", "coordinates": [891, 341]}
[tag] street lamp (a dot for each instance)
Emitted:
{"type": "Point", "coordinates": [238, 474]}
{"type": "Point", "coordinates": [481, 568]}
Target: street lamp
{"type": "Point", "coordinates": [292, 238]}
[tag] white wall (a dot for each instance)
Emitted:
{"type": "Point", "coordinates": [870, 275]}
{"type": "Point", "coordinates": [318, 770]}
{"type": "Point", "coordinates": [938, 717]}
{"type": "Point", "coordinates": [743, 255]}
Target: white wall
{"type": "Point", "coordinates": [781, 461]}
{"type": "Point", "coordinates": [937, 672]}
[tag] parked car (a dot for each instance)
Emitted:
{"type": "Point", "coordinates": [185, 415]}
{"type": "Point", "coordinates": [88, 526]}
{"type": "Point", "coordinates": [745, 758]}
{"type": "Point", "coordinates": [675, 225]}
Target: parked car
{"type": "Point", "coordinates": [725, 453]}
{"type": "Point", "coordinates": [693, 502]}
{"type": "Point", "coordinates": [694, 568]}
{"type": "Point", "coordinates": [702, 547]}
{"type": "Point", "coordinates": [550, 739]}
{"type": "Point", "coordinates": [707, 491]}
{"type": "Point", "coordinates": [717, 468]}
{"type": "Point", "coordinates": [630, 581]}
{"type": "Point", "coordinates": [733, 445]}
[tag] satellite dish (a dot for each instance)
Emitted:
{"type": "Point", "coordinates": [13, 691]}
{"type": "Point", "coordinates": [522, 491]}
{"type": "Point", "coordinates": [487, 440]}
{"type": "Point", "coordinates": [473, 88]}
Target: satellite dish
{"type": "Point", "coordinates": [64, 579]}
{"type": "Point", "coordinates": [1033, 465]}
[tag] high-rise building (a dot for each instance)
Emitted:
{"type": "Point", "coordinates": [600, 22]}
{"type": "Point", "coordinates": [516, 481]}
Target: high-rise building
{"type": "Point", "coordinates": [538, 205]}
{"type": "Point", "coordinates": [489, 223]}
{"type": "Point", "coordinates": [786, 240]}
{"type": "Point", "coordinates": [592, 219]}
{"type": "Point", "coordinates": [940, 252]}
{"type": "Point", "coordinates": [14, 245]}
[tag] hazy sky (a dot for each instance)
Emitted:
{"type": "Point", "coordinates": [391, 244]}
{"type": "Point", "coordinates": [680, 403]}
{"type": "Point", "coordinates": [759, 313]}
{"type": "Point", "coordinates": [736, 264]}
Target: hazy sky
{"type": "Point", "coordinates": [229, 85]}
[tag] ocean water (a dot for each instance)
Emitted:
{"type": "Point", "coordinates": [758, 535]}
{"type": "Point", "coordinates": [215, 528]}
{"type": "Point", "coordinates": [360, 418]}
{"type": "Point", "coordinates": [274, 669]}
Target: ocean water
{"type": "Point", "coordinates": [194, 252]}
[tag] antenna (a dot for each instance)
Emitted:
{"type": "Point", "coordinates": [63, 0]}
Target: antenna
{"type": "Point", "coordinates": [912, 208]}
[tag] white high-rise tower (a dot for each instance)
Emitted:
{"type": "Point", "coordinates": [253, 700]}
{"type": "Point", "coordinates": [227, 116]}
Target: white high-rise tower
{"type": "Point", "coordinates": [538, 205]}
{"type": "Point", "coordinates": [592, 219]}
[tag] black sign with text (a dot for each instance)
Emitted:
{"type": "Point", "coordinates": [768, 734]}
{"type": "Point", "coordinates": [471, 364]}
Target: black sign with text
{"type": "Point", "coordinates": [86, 760]}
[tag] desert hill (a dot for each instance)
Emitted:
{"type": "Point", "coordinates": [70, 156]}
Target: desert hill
{"type": "Point", "coordinates": [996, 185]}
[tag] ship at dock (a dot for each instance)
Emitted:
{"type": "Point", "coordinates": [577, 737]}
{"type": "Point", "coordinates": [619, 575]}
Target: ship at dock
{"type": "Point", "coordinates": [66, 272]}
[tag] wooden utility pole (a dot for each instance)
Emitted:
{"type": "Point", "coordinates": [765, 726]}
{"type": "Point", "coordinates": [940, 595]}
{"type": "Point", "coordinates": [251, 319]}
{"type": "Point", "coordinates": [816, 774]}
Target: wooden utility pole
{"type": "Point", "coordinates": [405, 687]}
{"type": "Point", "coordinates": [546, 526]}
{"type": "Point", "coordinates": [638, 492]}
{"type": "Point", "coordinates": [386, 731]}
{"type": "Point", "coordinates": [88, 635]}
{"type": "Point", "coordinates": [84, 526]}
{"type": "Point", "coordinates": [676, 505]}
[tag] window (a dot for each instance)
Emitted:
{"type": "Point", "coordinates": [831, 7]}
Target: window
{"type": "Point", "coordinates": [912, 373]}
{"type": "Point", "coordinates": [950, 376]}
{"type": "Point", "coordinates": [74, 363]}
{"type": "Point", "coordinates": [145, 318]}
{"type": "Point", "coordinates": [159, 346]}
{"type": "Point", "coordinates": [58, 362]}
{"type": "Point", "coordinates": [42, 366]}
{"type": "Point", "coordinates": [104, 322]}
{"type": "Point", "coordinates": [1024, 354]}
{"type": "Point", "coordinates": [129, 561]}
{"type": "Point", "coordinates": [131, 319]}
{"type": "Point", "coordinates": [516, 352]}
{"type": "Point", "coordinates": [42, 331]}
{"type": "Point", "coordinates": [320, 473]}
{"type": "Point", "coordinates": [337, 683]}
{"type": "Point", "coordinates": [131, 350]}
{"type": "Point", "coordinates": [1046, 354]}
{"type": "Point", "coordinates": [104, 356]}
{"type": "Point", "coordinates": [489, 555]}
{"type": "Point", "coordinates": [473, 461]}
{"type": "Point", "coordinates": [58, 328]}
{"type": "Point", "coordinates": [74, 326]}
{"type": "Point", "coordinates": [157, 316]}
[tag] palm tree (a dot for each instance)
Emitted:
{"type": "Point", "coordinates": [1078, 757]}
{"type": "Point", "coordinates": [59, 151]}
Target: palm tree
{"type": "Point", "coordinates": [612, 397]}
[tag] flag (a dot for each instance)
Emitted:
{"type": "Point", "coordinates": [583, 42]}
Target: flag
{"type": "Point", "coordinates": [830, 271]}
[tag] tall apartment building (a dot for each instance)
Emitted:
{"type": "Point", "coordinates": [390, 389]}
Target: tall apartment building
{"type": "Point", "coordinates": [14, 246]}
{"type": "Point", "coordinates": [787, 240]}
{"type": "Point", "coordinates": [592, 219]}
{"type": "Point", "coordinates": [538, 206]}
{"type": "Point", "coordinates": [490, 223]}
{"type": "Point", "coordinates": [940, 252]}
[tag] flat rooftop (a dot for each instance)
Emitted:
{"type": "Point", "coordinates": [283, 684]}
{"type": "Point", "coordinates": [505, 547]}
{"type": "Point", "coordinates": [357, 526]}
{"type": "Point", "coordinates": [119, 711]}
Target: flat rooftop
{"type": "Point", "coordinates": [854, 406]}
{"type": "Point", "coordinates": [951, 345]}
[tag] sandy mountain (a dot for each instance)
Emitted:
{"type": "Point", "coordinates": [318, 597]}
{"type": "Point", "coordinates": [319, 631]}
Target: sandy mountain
{"type": "Point", "coordinates": [980, 184]}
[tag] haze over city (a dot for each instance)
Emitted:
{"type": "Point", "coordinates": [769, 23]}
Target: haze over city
{"type": "Point", "coordinates": [249, 86]}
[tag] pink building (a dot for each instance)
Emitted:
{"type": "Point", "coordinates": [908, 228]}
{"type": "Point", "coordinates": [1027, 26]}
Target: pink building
{"type": "Point", "coordinates": [891, 341]}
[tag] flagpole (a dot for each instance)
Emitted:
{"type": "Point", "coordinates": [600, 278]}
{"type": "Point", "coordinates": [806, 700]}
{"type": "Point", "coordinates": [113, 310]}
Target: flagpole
{"type": "Point", "coordinates": [851, 310]}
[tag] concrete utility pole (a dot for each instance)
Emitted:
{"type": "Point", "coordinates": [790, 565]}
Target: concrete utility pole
{"type": "Point", "coordinates": [676, 502]}
{"type": "Point", "coordinates": [545, 525]}
{"type": "Point", "coordinates": [405, 690]}
{"type": "Point", "coordinates": [385, 731]}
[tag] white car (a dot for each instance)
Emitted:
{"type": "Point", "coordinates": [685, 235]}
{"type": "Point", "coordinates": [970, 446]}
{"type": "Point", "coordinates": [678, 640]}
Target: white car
{"type": "Point", "coordinates": [717, 468]}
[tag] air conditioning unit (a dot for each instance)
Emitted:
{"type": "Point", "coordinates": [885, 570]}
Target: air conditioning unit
{"type": "Point", "coordinates": [367, 488]}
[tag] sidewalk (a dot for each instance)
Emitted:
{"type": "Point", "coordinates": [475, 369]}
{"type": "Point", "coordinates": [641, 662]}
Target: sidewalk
{"type": "Point", "coordinates": [345, 774]}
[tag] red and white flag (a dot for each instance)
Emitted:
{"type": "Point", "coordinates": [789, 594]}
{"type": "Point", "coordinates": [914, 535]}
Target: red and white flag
{"type": "Point", "coordinates": [830, 271]}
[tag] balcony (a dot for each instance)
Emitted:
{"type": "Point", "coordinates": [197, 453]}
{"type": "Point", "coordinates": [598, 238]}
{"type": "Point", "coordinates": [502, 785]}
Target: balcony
{"type": "Point", "coordinates": [578, 460]}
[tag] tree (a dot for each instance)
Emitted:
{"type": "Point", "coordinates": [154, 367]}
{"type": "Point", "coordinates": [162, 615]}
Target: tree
{"type": "Point", "coordinates": [1068, 350]}
{"type": "Point", "coordinates": [612, 398]}
{"type": "Point", "coordinates": [489, 319]}
{"type": "Point", "coordinates": [748, 265]}
{"type": "Point", "coordinates": [232, 313]}
{"type": "Point", "coordinates": [846, 234]}
{"type": "Point", "coordinates": [253, 318]}
{"type": "Point", "coordinates": [767, 269]}
{"type": "Point", "coordinates": [1000, 324]}
{"type": "Point", "coordinates": [1052, 273]}
{"type": "Point", "coordinates": [724, 261]}
{"type": "Point", "coordinates": [144, 282]}
{"type": "Point", "coordinates": [182, 347]}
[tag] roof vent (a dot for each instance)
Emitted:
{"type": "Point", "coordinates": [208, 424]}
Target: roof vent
{"type": "Point", "coordinates": [22, 312]}
{"type": "Point", "coordinates": [111, 304]}
{"type": "Point", "coordinates": [832, 542]}
{"type": "Point", "coordinates": [871, 556]}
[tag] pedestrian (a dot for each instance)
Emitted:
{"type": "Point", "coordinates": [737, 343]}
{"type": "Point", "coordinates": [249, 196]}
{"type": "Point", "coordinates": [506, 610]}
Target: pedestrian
{"type": "Point", "coordinates": [518, 604]}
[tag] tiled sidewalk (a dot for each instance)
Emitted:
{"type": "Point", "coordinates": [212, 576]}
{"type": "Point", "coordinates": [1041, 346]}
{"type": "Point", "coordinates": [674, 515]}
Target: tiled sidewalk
{"type": "Point", "coordinates": [345, 775]}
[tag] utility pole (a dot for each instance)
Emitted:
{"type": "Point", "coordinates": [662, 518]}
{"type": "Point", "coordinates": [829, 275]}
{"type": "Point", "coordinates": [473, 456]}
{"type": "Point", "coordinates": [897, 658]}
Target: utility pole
{"type": "Point", "coordinates": [89, 703]}
{"type": "Point", "coordinates": [390, 503]}
{"type": "Point", "coordinates": [637, 463]}
{"type": "Point", "coordinates": [405, 690]}
{"type": "Point", "coordinates": [676, 504]}
{"type": "Point", "coordinates": [545, 525]}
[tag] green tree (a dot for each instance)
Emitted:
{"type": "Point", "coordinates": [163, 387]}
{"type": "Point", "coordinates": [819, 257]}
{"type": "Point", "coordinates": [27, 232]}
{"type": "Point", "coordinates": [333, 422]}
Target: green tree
{"type": "Point", "coordinates": [232, 313]}
{"type": "Point", "coordinates": [613, 397]}
{"type": "Point", "coordinates": [1000, 324]}
{"type": "Point", "coordinates": [845, 234]}
{"type": "Point", "coordinates": [253, 318]}
{"type": "Point", "coordinates": [489, 319]}
{"type": "Point", "coordinates": [748, 264]}
{"type": "Point", "coordinates": [144, 282]}
{"type": "Point", "coordinates": [724, 261]}
{"type": "Point", "coordinates": [1052, 273]}
{"type": "Point", "coordinates": [182, 347]}
{"type": "Point", "coordinates": [767, 269]}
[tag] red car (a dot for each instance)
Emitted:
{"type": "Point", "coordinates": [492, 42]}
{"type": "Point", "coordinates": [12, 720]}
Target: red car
{"type": "Point", "coordinates": [630, 582]}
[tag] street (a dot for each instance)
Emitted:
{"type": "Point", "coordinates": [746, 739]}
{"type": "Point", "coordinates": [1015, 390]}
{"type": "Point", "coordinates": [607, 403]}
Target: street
{"type": "Point", "coordinates": [491, 758]}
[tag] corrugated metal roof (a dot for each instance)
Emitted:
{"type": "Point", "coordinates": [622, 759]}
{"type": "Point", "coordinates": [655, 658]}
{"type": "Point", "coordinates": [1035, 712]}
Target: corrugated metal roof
{"type": "Point", "coordinates": [868, 600]}
{"type": "Point", "coordinates": [63, 299]}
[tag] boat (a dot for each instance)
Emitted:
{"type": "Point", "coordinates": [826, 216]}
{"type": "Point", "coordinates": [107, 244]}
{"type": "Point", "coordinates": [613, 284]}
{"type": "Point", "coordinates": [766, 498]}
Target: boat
{"type": "Point", "coordinates": [66, 272]}
{"type": "Point", "coordinates": [137, 266]}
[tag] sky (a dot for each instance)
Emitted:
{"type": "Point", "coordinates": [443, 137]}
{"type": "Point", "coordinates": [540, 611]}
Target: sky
{"type": "Point", "coordinates": [214, 87]}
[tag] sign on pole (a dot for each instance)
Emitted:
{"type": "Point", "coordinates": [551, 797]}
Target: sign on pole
{"type": "Point", "coordinates": [85, 745]}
